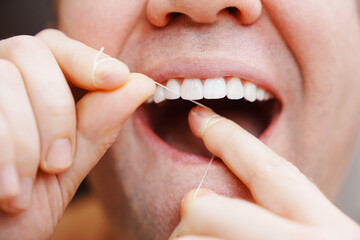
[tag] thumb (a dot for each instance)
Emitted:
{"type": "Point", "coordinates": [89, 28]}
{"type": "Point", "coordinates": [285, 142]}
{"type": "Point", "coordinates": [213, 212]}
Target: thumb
{"type": "Point", "coordinates": [186, 201]}
{"type": "Point", "coordinates": [192, 195]}
{"type": "Point", "coordinates": [100, 118]}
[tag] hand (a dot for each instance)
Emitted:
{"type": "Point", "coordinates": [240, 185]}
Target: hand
{"type": "Point", "coordinates": [42, 126]}
{"type": "Point", "coordinates": [288, 205]}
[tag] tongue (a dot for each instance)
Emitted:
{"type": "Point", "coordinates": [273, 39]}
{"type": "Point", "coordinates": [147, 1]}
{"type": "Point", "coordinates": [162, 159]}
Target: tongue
{"type": "Point", "coordinates": [174, 129]}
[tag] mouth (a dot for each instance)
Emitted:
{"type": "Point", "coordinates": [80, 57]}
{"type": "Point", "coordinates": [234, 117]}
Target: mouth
{"type": "Point", "coordinates": [255, 108]}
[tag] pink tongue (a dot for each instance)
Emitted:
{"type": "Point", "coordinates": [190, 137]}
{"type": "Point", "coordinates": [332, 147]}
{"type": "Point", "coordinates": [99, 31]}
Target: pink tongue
{"type": "Point", "coordinates": [176, 131]}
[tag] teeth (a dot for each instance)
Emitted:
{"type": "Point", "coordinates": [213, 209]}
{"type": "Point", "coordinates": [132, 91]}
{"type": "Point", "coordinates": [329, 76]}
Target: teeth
{"type": "Point", "coordinates": [260, 94]}
{"type": "Point", "coordinates": [214, 88]}
{"type": "Point", "coordinates": [175, 87]}
{"type": "Point", "coordinates": [192, 89]}
{"type": "Point", "coordinates": [150, 100]}
{"type": "Point", "coordinates": [235, 89]}
{"type": "Point", "coordinates": [268, 96]}
{"type": "Point", "coordinates": [250, 91]}
{"type": "Point", "coordinates": [159, 95]}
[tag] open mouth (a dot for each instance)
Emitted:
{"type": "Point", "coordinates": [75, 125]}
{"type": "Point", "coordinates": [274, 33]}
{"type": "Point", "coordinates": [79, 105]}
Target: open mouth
{"type": "Point", "coordinates": [250, 106]}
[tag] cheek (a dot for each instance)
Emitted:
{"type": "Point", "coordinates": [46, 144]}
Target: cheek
{"type": "Point", "coordinates": [100, 23]}
{"type": "Point", "coordinates": [324, 38]}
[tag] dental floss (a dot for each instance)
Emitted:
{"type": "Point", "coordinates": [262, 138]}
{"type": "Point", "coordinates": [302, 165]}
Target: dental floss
{"type": "Point", "coordinates": [206, 125]}
{"type": "Point", "coordinates": [202, 179]}
{"type": "Point", "coordinates": [193, 101]}
{"type": "Point", "coordinates": [210, 121]}
{"type": "Point", "coordinates": [96, 63]}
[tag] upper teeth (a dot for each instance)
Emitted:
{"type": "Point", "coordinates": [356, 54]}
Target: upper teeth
{"type": "Point", "coordinates": [215, 88]}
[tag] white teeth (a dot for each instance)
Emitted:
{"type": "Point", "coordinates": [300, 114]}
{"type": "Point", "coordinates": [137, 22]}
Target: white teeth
{"type": "Point", "coordinates": [214, 88]}
{"type": "Point", "coordinates": [235, 89]}
{"type": "Point", "coordinates": [260, 94]}
{"type": "Point", "coordinates": [250, 91]}
{"type": "Point", "coordinates": [175, 87]}
{"type": "Point", "coordinates": [268, 96]}
{"type": "Point", "coordinates": [192, 89]}
{"type": "Point", "coordinates": [159, 95]}
{"type": "Point", "coordinates": [150, 100]}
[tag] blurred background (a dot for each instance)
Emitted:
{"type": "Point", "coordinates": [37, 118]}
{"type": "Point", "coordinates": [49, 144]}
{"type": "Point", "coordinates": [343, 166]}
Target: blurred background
{"type": "Point", "coordinates": [23, 16]}
{"type": "Point", "coordinates": [29, 17]}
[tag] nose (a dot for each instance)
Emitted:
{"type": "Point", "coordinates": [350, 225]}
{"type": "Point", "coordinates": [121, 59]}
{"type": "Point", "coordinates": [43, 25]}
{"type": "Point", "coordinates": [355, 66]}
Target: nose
{"type": "Point", "coordinates": [160, 12]}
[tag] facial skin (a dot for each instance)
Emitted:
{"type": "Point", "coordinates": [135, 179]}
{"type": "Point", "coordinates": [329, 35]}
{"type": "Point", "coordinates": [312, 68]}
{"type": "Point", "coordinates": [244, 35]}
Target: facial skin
{"type": "Point", "coordinates": [308, 51]}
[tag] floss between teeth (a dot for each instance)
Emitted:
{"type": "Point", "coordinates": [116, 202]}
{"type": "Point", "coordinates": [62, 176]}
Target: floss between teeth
{"type": "Point", "coordinates": [207, 124]}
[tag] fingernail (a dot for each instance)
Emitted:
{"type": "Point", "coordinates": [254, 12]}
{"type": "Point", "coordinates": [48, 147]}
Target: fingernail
{"type": "Point", "coordinates": [59, 156]}
{"type": "Point", "coordinates": [190, 196]}
{"type": "Point", "coordinates": [201, 193]}
{"type": "Point", "coordinates": [9, 182]}
{"type": "Point", "coordinates": [23, 200]}
{"type": "Point", "coordinates": [201, 118]}
{"type": "Point", "coordinates": [202, 112]}
{"type": "Point", "coordinates": [110, 73]}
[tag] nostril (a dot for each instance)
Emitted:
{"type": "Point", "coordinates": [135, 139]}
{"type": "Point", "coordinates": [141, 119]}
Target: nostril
{"type": "Point", "coordinates": [169, 17]}
{"type": "Point", "coordinates": [161, 12]}
{"type": "Point", "coordinates": [232, 10]}
{"type": "Point", "coordinates": [172, 15]}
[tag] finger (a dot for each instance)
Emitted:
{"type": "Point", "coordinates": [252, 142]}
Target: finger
{"type": "Point", "coordinates": [191, 195]}
{"type": "Point", "coordinates": [274, 182]}
{"type": "Point", "coordinates": [84, 66]}
{"type": "Point", "coordinates": [101, 116]}
{"type": "Point", "coordinates": [196, 238]}
{"type": "Point", "coordinates": [9, 181]}
{"type": "Point", "coordinates": [227, 218]}
{"type": "Point", "coordinates": [51, 99]}
{"type": "Point", "coordinates": [17, 110]}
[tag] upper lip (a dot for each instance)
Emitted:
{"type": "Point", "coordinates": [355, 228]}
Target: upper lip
{"type": "Point", "coordinates": [211, 68]}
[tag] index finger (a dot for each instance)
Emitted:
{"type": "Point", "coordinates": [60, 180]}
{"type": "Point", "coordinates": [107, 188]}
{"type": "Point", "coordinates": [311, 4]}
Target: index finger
{"type": "Point", "coordinates": [274, 182]}
{"type": "Point", "coordinates": [84, 66]}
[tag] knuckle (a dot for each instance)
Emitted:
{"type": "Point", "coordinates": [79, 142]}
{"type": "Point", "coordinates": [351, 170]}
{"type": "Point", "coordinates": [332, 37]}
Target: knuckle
{"type": "Point", "coordinates": [9, 69]}
{"type": "Point", "coordinates": [77, 53]}
{"type": "Point", "coordinates": [29, 146]}
{"type": "Point", "coordinates": [275, 167]}
{"type": "Point", "coordinates": [28, 44]}
{"type": "Point", "coordinates": [280, 167]}
{"type": "Point", "coordinates": [48, 32]}
{"type": "Point", "coordinates": [6, 144]}
{"type": "Point", "coordinates": [62, 109]}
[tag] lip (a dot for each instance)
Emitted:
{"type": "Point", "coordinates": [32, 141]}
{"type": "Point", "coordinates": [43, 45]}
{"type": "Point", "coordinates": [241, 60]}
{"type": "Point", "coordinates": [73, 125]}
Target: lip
{"type": "Point", "coordinates": [205, 69]}
{"type": "Point", "coordinates": [189, 67]}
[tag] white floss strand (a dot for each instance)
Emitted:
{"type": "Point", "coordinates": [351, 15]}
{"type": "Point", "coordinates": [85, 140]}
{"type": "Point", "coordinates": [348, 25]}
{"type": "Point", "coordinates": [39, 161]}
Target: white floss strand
{"type": "Point", "coordinates": [193, 101]}
{"type": "Point", "coordinates": [203, 177]}
{"type": "Point", "coordinates": [210, 121]}
{"type": "Point", "coordinates": [206, 125]}
{"type": "Point", "coordinates": [96, 64]}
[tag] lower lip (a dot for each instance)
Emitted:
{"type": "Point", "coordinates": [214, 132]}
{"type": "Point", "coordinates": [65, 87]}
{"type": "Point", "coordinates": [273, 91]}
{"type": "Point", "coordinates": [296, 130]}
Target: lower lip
{"type": "Point", "coordinates": [141, 123]}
